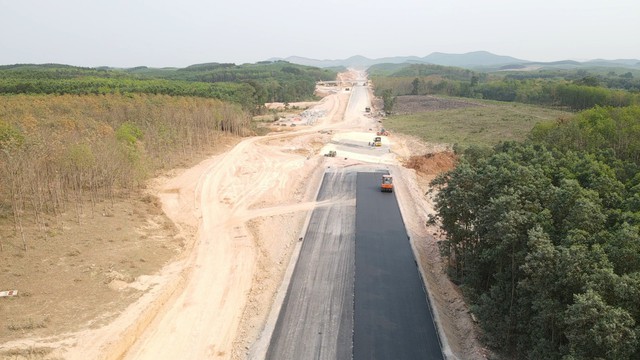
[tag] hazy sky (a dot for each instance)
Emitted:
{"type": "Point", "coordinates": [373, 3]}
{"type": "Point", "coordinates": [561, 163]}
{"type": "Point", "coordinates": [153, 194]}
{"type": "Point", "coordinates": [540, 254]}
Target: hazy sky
{"type": "Point", "coordinates": [126, 33]}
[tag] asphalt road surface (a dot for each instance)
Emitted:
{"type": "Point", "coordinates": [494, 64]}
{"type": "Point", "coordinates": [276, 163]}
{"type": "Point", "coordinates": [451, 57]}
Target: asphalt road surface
{"type": "Point", "coordinates": [355, 292]}
{"type": "Point", "coordinates": [316, 319]}
{"type": "Point", "coordinates": [392, 317]}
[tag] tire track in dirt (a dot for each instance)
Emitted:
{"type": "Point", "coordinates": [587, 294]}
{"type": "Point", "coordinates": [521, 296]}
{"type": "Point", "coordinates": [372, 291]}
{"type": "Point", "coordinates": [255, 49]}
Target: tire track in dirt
{"type": "Point", "coordinates": [203, 320]}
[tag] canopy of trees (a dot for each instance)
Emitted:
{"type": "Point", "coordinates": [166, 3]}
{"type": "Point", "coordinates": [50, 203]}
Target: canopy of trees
{"type": "Point", "coordinates": [250, 85]}
{"type": "Point", "coordinates": [70, 135]}
{"type": "Point", "coordinates": [544, 238]}
{"type": "Point", "coordinates": [571, 89]}
{"type": "Point", "coordinates": [69, 149]}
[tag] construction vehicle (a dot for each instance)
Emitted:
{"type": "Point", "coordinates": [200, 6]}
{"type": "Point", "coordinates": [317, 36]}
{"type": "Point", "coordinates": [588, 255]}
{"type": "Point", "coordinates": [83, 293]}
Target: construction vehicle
{"type": "Point", "coordinates": [387, 183]}
{"type": "Point", "coordinates": [382, 132]}
{"type": "Point", "coordinates": [367, 109]}
{"type": "Point", "coordinates": [377, 141]}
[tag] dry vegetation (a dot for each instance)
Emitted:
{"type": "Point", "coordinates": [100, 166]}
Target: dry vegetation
{"type": "Point", "coordinates": [466, 122]}
{"type": "Point", "coordinates": [411, 104]}
{"type": "Point", "coordinates": [74, 272]}
{"type": "Point", "coordinates": [78, 230]}
{"type": "Point", "coordinates": [69, 152]}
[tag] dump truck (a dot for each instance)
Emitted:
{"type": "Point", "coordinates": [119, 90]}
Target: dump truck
{"type": "Point", "coordinates": [377, 141]}
{"type": "Point", "coordinates": [387, 183]}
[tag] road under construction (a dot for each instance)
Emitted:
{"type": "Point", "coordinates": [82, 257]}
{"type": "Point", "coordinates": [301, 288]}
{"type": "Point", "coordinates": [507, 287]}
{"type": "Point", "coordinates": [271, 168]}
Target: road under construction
{"type": "Point", "coordinates": [356, 292]}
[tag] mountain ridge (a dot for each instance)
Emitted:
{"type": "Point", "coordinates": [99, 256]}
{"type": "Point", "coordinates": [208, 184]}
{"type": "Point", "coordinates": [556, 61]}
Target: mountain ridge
{"type": "Point", "coordinates": [473, 60]}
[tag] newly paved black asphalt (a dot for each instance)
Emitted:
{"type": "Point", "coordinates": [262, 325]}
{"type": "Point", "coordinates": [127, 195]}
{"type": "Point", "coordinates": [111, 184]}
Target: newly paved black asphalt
{"type": "Point", "coordinates": [316, 319]}
{"type": "Point", "coordinates": [392, 317]}
{"type": "Point", "coordinates": [355, 292]}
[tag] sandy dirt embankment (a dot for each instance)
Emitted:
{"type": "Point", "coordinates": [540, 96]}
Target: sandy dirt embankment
{"type": "Point", "coordinates": [248, 206]}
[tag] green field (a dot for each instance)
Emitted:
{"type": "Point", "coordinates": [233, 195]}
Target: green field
{"type": "Point", "coordinates": [484, 125]}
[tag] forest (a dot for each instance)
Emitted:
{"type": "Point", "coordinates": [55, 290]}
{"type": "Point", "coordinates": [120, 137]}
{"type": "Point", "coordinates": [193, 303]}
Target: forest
{"type": "Point", "coordinates": [543, 237]}
{"type": "Point", "coordinates": [62, 153]}
{"type": "Point", "coordinates": [572, 89]}
{"type": "Point", "coordinates": [250, 85]}
{"type": "Point", "coordinates": [72, 137]}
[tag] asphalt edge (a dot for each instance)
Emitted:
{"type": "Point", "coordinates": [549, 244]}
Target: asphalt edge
{"type": "Point", "coordinates": [435, 315]}
{"type": "Point", "coordinates": [259, 349]}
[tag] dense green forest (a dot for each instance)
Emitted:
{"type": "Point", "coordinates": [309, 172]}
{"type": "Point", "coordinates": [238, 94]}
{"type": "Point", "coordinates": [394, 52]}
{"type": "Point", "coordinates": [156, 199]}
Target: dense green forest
{"type": "Point", "coordinates": [575, 89]}
{"type": "Point", "coordinates": [543, 237]}
{"type": "Point", "coordinates": [250, 85]}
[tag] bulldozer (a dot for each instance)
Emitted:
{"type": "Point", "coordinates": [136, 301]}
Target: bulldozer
{"type": "Point", "coordinates": [387, 183]}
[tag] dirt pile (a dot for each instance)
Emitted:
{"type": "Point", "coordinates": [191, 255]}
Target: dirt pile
{"type": "Point", "coordinates": [432, 164]}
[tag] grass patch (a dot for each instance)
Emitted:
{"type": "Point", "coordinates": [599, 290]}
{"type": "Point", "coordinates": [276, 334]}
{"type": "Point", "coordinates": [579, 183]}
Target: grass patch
{"type": "Point", "coordinates": [484, 125]}
{"type": "Point", "coordinates": [28, 324]}
{"type": "Point", "coordinates": [26, 353]}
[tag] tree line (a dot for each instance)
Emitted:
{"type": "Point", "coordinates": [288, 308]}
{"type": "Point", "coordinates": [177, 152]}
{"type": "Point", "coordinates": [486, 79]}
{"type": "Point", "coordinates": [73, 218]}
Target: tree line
{"type": "Point", "coordinates": [250, 85]}
{"type": "Point", "coordinates": [67, 152]}
{"type": "Point", "coordinates": [577, 91]}
{"type": "Point", "coordinates": [243, 94]}
{"type": "Point", "coordinates": [544, 237]}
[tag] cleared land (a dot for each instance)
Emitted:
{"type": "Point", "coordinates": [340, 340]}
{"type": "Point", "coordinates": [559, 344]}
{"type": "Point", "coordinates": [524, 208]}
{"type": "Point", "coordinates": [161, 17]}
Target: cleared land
{"type": "Point", "coordinates": [466, 122]}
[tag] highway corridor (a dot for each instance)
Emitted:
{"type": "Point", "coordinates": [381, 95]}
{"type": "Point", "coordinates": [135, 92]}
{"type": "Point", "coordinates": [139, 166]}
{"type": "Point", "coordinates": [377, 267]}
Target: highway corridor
{"type": "Point", "coordinates": [356, 292]}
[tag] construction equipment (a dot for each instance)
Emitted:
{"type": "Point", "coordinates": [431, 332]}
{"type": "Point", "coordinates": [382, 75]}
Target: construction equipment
{"type": "Point", "coordinates": [387, 183]}
{"type": "Point", "coordinates": [367, 109]}
{"type": "Point", "coordinates": [382, 132]}
{"type": "Point", "coordinates": [377, 141]}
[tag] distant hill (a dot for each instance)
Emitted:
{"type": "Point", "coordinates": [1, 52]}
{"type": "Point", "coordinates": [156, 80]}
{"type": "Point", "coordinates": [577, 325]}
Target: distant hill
{"type": "Point", "coordinates": [565, 64]}
{"type": "Point", "coordinates": [471, 59]}
{"type": "Point", "coordinates": [478, 60]}
{"type": "Point", "coordinates": [615, 63]}
{"type": "Point", "coordinates": [357, 61]}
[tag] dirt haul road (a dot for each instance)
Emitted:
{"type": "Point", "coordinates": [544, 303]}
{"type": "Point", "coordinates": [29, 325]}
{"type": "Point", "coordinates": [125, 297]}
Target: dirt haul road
{"type": "Point", "coordinates": [260, 178]}
{"type": "Point", "coordinates": [245, 183]}
{"type": "Point", "coordinates": [243, 212]}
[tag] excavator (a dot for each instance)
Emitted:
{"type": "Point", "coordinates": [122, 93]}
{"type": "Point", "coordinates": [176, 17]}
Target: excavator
{"type": "Point", "coordinates": [387, 183]}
